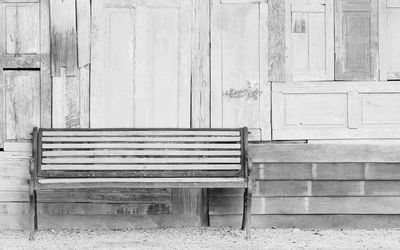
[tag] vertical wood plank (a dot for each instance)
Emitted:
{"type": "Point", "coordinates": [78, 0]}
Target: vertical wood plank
{"type": "Point", "coordinates": [45, 71]}
{"type": "Point", "coordinates": [184, 86]}
{"type": "Point", "coordinates": [288, 40]}
{"type": "Point", "coordinates": [22, 97]}
{"type": "Point", "coordinates": [276, 40]}
{"type": "Point", "coordinates": [2, 83]}
{"type": "Point", "coordinates": [265, 88]}
{"type": "Point", "coordinates": [84, 84]}
{"type": "Point", "coordinates": [201, 65]}
{"type": "Point", "coordinates": [63, 37]}
{"type": "Point", "coordinates": [383, 50]}
{"type": "Point", "coordinates": [83, 31]}
{"type": "Point", "coordinates": [58, 100]}
{"type": "Point", "coordinates": [216, 65]}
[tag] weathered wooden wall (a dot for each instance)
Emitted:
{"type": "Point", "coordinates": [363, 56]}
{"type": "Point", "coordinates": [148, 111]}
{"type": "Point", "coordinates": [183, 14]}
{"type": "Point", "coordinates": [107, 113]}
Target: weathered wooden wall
{"type": "Point", "coordinates": [317, 186]}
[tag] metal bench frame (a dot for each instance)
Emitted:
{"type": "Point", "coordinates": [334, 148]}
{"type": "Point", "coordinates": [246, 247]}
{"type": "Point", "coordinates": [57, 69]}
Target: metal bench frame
{"type": "Point", "coordinates": [38, 175]}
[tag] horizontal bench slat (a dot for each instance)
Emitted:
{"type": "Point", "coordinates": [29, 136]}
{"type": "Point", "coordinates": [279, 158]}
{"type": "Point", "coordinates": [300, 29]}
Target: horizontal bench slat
{"type": "Point", "coordinates": [124, 160]}
{"type": "Point", "coordinates": [142, 133]}
{"type": "Point", "coordinates": [117, 167]}
{"type": "Point", "coordinates": [122, 180]}
{"type": "Point", "coordinates": [141, 145]}
{"type": "Point", "coordinates": [140, 139]}
{"type": "Point", "coordinates": [150, 183]}
{"type": "Point", "coordinates": [141, 152]}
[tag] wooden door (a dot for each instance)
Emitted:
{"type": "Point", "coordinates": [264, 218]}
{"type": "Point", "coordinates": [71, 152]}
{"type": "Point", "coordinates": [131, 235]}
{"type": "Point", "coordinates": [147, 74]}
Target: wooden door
{"type": "Point", "coordinates": [25, 86]}
{"type": "Point", "coordinates": [239, 66]}
{"type": "Point", "coordinates": [310, 40]}
{"type": "Point", "coordinates": [389, 39]}
{"type": "Point", "coordinates": [140, 74]}
{"type": "Point", "coordinates": [356, 40]}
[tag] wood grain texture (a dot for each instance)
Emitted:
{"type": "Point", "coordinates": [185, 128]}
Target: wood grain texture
{"type": "Point", "coordinates": [63, 37]}
{"type": "Point", "coordinates": [318, 222]}
{"type": "Point", "coordinates": [239, 67]}
{"type": "Point", "coordinates": [83, 16]}
{"type": "Point", "coordinates": [22, 99]}
{"type": "Point", "coordinates": [158, 40]}
{"type": "Point", "coordinates": [302, 153]}
{"type": "Point", "coordinates": [20, 222]}
{"type": "Point", "coordinates": [310, 40]}
{"type": "Point", "coordinates": [308, 205]}
{"type": "Point", "coordinates": [276, 40]}
{"type": "Point", "coordinates": [356, 40]}
{"type": "Point", "coordinates": [45, 66]}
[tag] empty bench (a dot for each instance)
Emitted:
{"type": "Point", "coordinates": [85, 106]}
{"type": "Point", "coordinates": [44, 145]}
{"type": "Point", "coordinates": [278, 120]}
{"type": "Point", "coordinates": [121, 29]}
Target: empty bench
{"type": "Point", "coordinates": [140, 158]}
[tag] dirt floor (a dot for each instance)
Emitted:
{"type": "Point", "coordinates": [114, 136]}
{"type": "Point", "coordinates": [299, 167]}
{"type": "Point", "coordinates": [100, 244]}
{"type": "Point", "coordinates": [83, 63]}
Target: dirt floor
{"type": "Point", "coordinates": [203, 238]}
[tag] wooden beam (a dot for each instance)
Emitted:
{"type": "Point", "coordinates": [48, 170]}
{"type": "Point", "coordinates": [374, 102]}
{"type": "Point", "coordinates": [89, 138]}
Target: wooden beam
{"type": "Point", "coordinates": [297, 153]}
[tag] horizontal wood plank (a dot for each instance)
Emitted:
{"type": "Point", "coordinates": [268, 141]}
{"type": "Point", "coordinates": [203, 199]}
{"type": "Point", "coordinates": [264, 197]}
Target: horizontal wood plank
{"type": "Point", "coordinates": [328, 153]}
{"type": "Point", "coordinates": [141, 145]}
{"type": "Point", "coordinates": [133, 160]}
{"type": "Point", "coordinates": [116, 167]}
{"type": "Point", "coordinates": [141, 139]}
{"type": "Point", "coordinates": [93, 132]}
{"type": "Point", "coordinates": [21, 222]}
{"type": "Point", "coordinates": [349, 221]}
{"type": "Point", "coordinates": [141, 153]}
{"type": "Point", "coordinates": [308, 205]}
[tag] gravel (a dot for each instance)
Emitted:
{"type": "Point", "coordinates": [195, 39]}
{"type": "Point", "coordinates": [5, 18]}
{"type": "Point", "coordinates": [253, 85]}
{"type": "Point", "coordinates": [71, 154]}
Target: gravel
{"type": "Point", "coordinates": [202, 238]}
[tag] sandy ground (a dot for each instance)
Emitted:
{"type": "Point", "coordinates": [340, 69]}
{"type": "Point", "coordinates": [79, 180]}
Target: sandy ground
{"type": "Point", "coordinates": [203, 238]}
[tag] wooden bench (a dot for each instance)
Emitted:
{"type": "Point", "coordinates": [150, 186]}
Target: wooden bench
{"type": "Point", "coordinates": [140, 158]}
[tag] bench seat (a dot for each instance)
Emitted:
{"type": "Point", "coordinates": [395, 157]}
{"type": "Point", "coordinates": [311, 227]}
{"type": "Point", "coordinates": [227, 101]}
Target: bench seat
{"type": "Point", "coordinates": [66, 159]}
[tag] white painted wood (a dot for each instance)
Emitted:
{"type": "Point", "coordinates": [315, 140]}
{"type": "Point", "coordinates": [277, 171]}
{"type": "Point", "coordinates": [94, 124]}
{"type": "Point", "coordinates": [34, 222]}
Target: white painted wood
{"type": "Point", "coordinates": [140, 139]}
{"type": "Point", "coordinates": [141, 56]}
{"type": "Point", "coordinates": [67, 167]}
{"type": "Point", "coordinates": [133, 160]}
{"type": "Point", "coordinates": [22, 28]}
{"type": "Point", "coordinates": [239, 66]}
{"type": "Point", "coordinates": [140, 145]}
{"type": "Point", "coordinates": [105, 152]}
{"type": "Point", "coordinates": [141, 133]}
{"type": "Point", "coordinates": [389, 39]}
{"type": "Point", "coordinates": [138, 180]}
{"type": "Point", "coordinates": [336, 110]}
{"type": "Point", "coordinates": [22, 102]}
{"type": "Point", "coordinates": [310, 39]}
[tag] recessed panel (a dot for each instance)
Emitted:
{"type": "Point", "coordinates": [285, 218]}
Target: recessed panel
{"type": "Point", "coordinates": [315, 109]}
{"type": "Point", "coordinates": [22, 100]}
{"type": "Point", "coordinates": [381, 108]}
{"type": "Point", "coordinates": [22, 28]}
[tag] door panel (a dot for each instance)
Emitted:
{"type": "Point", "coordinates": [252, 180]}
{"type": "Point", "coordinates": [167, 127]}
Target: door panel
{"type": "Point", "coordinates": [141, 64]}
{"type": "Point", "coordinates": [389, 39]}
{"type": "Point", "coordinates": [356, 34]}
{"type": "Point", "coordinates": [239, 68]}
{"type": "Point", "coordinates": [310, 34]}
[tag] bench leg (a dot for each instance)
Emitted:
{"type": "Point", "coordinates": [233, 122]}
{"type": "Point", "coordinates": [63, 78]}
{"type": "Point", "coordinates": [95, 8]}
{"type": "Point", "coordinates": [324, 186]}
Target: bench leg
{"type": "Point", "coordinates": [244, 208]}
{"type": "Point", "coordinates": [33, 223]}
{"type": "Point", "coordinates": [248, 209]}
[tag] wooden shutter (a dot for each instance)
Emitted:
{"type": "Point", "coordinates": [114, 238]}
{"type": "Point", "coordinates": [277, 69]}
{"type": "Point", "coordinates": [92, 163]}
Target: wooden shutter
{"type": "Point", "coordinates": [389, 39]}
{"type": "Point", "coordinates": [141, 53]}
{"type": "Point", "coordinates": [356, 40]}
{"type": "Point", "coordinates": [239, 69]}
{"type": "Point", "coordinates": [310, 40]}
{"type": "Point", "coordinates": [25, 85]}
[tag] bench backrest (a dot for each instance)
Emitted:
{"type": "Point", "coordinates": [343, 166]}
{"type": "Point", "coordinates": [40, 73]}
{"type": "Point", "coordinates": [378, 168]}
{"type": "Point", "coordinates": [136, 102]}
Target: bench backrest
{"type": "Point", "coordinates": [140, 152]}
